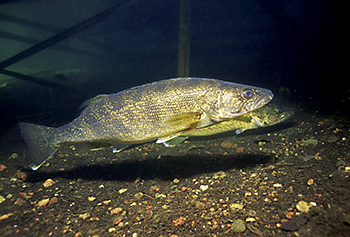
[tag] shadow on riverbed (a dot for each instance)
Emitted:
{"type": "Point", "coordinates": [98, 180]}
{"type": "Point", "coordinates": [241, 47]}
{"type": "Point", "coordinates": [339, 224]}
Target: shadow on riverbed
{"type": "Point", "coordinates": [166, 168]}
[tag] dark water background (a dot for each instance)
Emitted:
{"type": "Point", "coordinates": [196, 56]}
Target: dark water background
{"type": "Point", "coordinates": [298, 49]}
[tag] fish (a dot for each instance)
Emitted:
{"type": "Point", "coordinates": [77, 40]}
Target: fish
{"type": "Point", "coordinates": [265, 116]}
{"type": "Point", "coordinates": [160, 111]}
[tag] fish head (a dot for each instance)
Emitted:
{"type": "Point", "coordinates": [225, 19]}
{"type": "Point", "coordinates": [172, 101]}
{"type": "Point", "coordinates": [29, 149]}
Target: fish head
{"type": "Point", "coordinates": [233, 100]}
{"type": "Point", "coordinates": [272, 114]}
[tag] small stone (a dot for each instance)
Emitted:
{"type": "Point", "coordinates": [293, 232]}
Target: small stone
{"type": "Point", "coordinates": [160, 195]}
{"type": "Point", "coordinates": [43, 202]}
{"type": "Point", "coordinates": [238, 226]}
{"type": "Point", "coordinates": [199, 205]}
{"type": "Point", "coordinates": [303, 206]}
{"type": "Point", "coordinates": [203, 187]}
{"type": "Point", "coordinates": [116, 210]}
{"type": "Point", "coordinates": [2, 199]}
{"type": "Point", "coordinates": [138, 195]}
{"type": "Point", "coordinates": [106, 202]}
{"type": "Point", "coordinates": [2, 167]}
{"type": "Point", "coordinates": [250, 219]}
{"type": "Point", "coordinates": [112, 229]}
{"type": "Point", "coordinates": [235, 207]}
{"type": "Point", "coordinates": [277, 185]}
{"type": "Point", "coordinates": [117, 220]}
{"type": "Point", "coordinates": [179, 221]}
{"type": "Point", "coordinates": [22, 175]}
{"type": "Point", "coordinates": [84, 216]}
{"type": "Point", "coordinates": [176, 180]}
{"type": "Point", "coordinates": [20, 202]}
{"type": "Point", "coordinates": [9, 196]}
{"type": "Point", "coordinates": [91, 199]}
{"type": "Point", "coordinates": [219, 175]}
{"type": "Point", "coordinates": [122, 190]}
{"type": "Point", "coordinates": [48, 183]}
{"type": "Point", "coordinates": [5, 216]}
{"type": "Point", "coordinates": [310, 182]}
{"type": "Point", "coordinates": [53, 200]}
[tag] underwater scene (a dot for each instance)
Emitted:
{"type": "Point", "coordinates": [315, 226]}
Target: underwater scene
{"type": "Point", "coordinates": [174, 118]}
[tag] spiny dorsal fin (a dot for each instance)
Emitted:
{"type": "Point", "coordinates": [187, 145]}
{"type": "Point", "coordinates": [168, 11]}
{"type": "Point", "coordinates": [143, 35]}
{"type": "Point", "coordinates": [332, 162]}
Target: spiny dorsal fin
{"type": "Point", "coordinates": [89, 102]}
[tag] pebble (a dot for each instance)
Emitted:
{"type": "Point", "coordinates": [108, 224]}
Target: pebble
{"type": "Point", "coordinates": [310, 182]}
{"type": "Point", "coordinates": [53, 200]}
{"type": "Point", "coordinates": [2, 199]}
{"type": "Point", "coordinates": [277, 185]}
{"type": "Point", "coordinates": [138, 195]}
{"type": "Point", "coordinates": [238, 226]}
{"type": "Point", "coordinates": [199, 205]}
{"type": "Point", "coordinates": [84, 216]}
{"type": "Point", "coordinates": [22, 175]}
{"type": "Point", "coordinates": [48, 183]}
{"type": "Point", "coordinates": [235, 207]}
{"type": "Point", "coordinates": [250, 219]}
{"type": "Point", "coordinates": [176, 180]}
{"type": "Point", "coordinates": [116, 210]}
{"type": "Point", "coordinates": [43, 202]}
{"type": "Point", "coordinates": [91, 199]}
{"type": "Point", "coordinates": [2, 167]}
{"type": "Point", "coordinates": [5, 216]}
{"type": "Point", "coordinates": [203, 187]}
{"type": "Point", "coordinates": [20, 202]}
{"type": "Point", "coordinates": [303, 206]}
{"type": "Point", "coordinates": [160, 195]}
{"type": "Point", "coordinates": [219, 174]}
{"type": "Point", "coordinates": [122, 190]}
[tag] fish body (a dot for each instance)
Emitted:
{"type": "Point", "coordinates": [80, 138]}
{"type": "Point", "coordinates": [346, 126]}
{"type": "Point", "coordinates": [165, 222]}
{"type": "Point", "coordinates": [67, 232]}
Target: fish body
{"type": "Point", "coordinates": [265, 116]}
{"type": "Point", "coordinates": [160, 110]}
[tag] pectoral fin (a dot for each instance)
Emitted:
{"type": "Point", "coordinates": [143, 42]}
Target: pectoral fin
{"type": "Point", "coordinates": [175, 141]}
{"type": "Point", "coordinates": [257, 122]}
{"type": "Point", "coordinates": [205, 121]}
{"type": "Point", "coordinates": [184, 121]}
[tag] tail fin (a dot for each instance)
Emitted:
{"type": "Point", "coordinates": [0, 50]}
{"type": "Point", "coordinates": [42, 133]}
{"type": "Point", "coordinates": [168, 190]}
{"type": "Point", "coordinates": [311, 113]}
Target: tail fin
{"type": "Point", "coordinates": [41, 143]}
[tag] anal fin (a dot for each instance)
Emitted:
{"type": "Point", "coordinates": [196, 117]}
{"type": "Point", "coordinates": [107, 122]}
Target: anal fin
{"type": "Point", "coordinates": [168, 138]}
{"type": "Point", "coordinates": [119, 148]}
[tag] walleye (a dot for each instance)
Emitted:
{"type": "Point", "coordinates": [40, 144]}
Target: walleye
{"type": "Point", "coordinates": [160, 110]}
{"type": "Point", "coordinates": [268, 115]}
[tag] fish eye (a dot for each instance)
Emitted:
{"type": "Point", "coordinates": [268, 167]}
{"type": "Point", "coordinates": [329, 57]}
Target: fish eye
{"type": "Point", "coordinates": [248, 93]}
